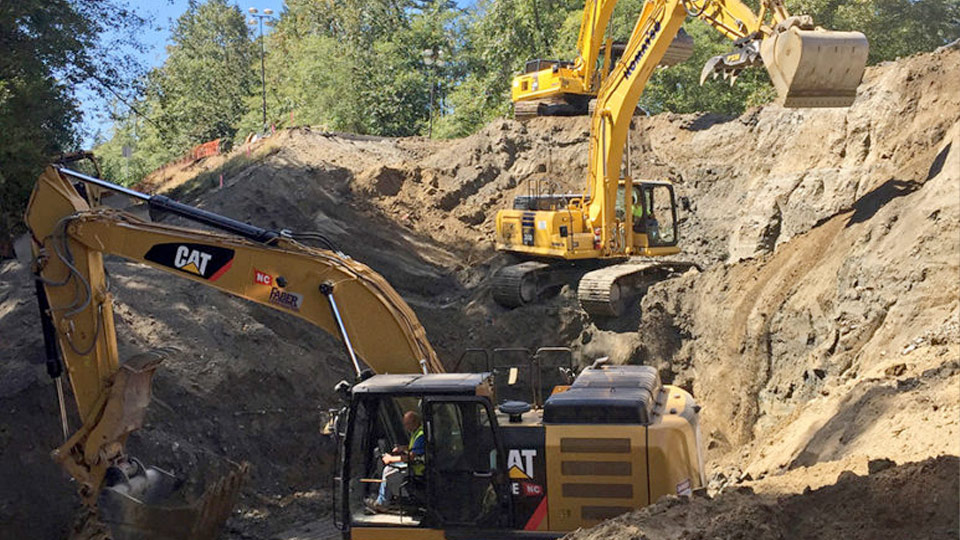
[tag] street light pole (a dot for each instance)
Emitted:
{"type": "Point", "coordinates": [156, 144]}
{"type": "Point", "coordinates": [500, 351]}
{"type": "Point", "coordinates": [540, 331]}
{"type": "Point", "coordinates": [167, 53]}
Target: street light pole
{"type": "Point", "coordinates": [433, 59]}
{"type": "Point", "coordinates": [267, 14]}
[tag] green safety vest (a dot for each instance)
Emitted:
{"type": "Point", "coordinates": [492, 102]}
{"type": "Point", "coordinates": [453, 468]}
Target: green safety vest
{"type": "Point", "coordinates": [416, 462]}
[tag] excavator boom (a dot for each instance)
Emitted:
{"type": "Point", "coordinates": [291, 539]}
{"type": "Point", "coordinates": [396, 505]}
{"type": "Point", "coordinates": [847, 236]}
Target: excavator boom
{"type": "Point", "coordinates": [341, 296]}
{"type": "Point", "coordinates": [618, 217]}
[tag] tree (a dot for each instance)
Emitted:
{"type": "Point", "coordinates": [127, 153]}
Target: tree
{"type": "Point", "coordinates": [503, 33]}
{"type": "Point", "coordinates": [49, 48]}
{"type": "Point", "coordinates": [356, 65]}
{"type": "Point", "coordinates": [501, 36]}
{"type": "Point", "coordinates": [200, 93]}
{"type": "Point", "coordinates": [894, 28]}
{"type": "Point", "coordinates": [202, 88]}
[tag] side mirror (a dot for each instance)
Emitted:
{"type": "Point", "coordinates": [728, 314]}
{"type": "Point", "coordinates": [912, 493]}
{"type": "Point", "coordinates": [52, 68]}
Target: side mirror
{"type": "Point", "coordinates": [342, 389]}
{"type": "Point", "coordinates": [328, 419]}
{"type": "Point", "coordinates": [685, 203]}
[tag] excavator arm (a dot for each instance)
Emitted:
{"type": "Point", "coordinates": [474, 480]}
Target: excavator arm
{"type": "Point", "coordinates": [553, 87]}
{"type": "Point", "coordinates": [810, 67]}
{"type": "Point", "coordinates": [341, 296]}
{"type": "Point", "coordinates": [596, 16]}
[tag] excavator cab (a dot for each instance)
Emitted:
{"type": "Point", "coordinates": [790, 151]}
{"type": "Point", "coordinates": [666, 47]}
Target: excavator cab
{"type": "Point", "coordinates": [462, 485]}
{"type": "Point", "coordinates": [653, 210]}
{"type": "Point", "coordinates": [611, 440]}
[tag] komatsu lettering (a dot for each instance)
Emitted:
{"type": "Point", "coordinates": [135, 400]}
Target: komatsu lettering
{"type": "Point", "coordinates": [643, 48]}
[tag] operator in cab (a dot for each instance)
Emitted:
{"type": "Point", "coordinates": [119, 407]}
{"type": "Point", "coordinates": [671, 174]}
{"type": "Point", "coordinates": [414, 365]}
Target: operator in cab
{"type": "Point", "coordinates": [398, 460]}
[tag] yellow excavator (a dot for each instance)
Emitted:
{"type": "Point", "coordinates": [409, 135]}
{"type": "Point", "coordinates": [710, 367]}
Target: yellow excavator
{"type": "Point", "coordinates": [514, 449]}
{"type": "Point", "coordinates": [71, 233]}
{"type": "Point", "coordinates": [617, 218]}
{"type": "Point", "coordinates": [564, 88]}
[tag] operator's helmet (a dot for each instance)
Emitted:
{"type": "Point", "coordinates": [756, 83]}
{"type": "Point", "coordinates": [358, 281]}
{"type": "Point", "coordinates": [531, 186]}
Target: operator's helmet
{"type": "Point", "coordinates": [634, 197]}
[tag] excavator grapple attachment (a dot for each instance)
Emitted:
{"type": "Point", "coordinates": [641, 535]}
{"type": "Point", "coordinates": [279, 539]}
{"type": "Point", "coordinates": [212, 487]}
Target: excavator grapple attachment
{"type": "Point", "coordinates": [815, 67]}
{"type": "Point", "coordinates": [152, 504]}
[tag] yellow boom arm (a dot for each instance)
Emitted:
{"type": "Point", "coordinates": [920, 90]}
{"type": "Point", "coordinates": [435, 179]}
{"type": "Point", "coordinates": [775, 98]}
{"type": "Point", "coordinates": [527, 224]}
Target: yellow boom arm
{"type": "Point", "coordinates": [810, 67]}
{"type": "Point", "coordinates": [70, 239]}
{"type": "Point", "coordinates": [596, 16]}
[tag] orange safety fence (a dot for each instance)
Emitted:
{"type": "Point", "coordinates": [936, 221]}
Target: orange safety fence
{"type": "Point", "coordinates": [206, 149]}
{"type": "Point", "coordinates": [198, 152]}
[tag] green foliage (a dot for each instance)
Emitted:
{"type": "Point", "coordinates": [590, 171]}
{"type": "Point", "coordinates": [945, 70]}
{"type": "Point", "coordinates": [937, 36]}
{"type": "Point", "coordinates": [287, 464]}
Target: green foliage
{"type": "Point", "coordinates": [50, 47]}
{"type": "Point", "coordinates": [506, 32]}
{"type": "Point", "coordinates": [201, 93]}
{"type": "Point", "coordinates": [894, 28]}
{"type": "Point", "coordinates": [202, 89]}
{"type": "Point", "coordinates": [356, 65]}
{"type": "Point", "coordinates": [678, 89]}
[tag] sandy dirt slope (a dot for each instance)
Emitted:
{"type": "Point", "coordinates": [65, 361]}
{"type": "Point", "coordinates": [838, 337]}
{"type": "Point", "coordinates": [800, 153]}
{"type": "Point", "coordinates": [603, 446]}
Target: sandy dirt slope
{"type": "Point", "coordinates": [822, 333]}
{"type": "Point", "coordinates": [914, 500]}
{"type": "Point", "coordinates": [854, 320]}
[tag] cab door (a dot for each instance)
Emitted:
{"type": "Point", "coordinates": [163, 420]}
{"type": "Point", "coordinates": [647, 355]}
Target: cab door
{"type": "Point", "coordinates": [465, 464]}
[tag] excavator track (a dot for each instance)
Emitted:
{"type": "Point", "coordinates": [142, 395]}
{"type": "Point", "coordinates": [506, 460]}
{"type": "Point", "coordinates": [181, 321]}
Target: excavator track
{"type": "Point", "coordinates": [516, 285]}
{"type": "Point", "coordinates": [530, 281]}
{"type": "Point", "coordinates": [553, 106]}
{"type": "Point", "coordinates": [608, 291]}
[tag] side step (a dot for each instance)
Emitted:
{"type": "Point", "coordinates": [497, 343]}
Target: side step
{"type": "Point", "coordinates": [608, 291]}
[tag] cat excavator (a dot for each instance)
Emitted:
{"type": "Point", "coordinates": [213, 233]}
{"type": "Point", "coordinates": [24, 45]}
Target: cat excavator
{"type": "Point", "coordinates": [71, 232]}
{"type": "Point", "coordinates": [620, 220]}
{"type": "Point", "coordinates": [513, 449]}
{"type": "Point", "coordinates": [564, 88]}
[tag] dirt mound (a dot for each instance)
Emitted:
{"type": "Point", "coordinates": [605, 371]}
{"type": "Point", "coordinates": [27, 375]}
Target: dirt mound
{"type": "Point", "coordinates": [827, 346]}
{"type": "Point", "coordinates": [823, 329]}
{"type": "Point", "coordinates": [915, 500]}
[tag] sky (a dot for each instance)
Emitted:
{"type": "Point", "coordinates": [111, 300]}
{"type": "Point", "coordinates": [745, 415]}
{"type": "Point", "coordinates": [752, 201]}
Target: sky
{"type": "Point", "coordinates": [162, 15]}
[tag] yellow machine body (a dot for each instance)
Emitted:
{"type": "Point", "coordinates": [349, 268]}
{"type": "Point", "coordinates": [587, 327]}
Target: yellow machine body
{"type": "Point", "coordinates": [566, 232]}
{"type": "Point", "coordinates": [614, 441]}
{"type": "Point", "coordinates": [572, 83]}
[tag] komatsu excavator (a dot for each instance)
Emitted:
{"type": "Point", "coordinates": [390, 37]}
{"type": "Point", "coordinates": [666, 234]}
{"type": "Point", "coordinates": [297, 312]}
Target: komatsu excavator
{"type": "Point", "coordinates": [514, 450]}
{"type": "Point", "coordinates": [618, 218]}
{"type": "Point", "coordinates": [563, 88]}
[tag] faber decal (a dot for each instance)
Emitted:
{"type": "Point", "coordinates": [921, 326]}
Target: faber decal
{"type": "Point", "coordinates": [208, 262]}
{"type": "Point", "coordinates": [282, 298]}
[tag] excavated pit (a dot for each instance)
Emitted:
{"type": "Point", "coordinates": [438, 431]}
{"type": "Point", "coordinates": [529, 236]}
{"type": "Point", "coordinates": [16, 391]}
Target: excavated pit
{"type": "Point", "coordinates": [822, 333]}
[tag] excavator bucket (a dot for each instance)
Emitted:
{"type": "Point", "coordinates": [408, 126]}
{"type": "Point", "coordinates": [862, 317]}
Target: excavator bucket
{"type": "Point", "coordinates": [152, 504]}
{"type": "Point", "coordinates": [815, 67]}
{"type": "Point", "coordinates": [149, 503]}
